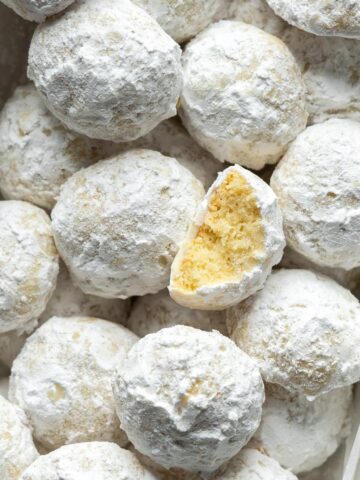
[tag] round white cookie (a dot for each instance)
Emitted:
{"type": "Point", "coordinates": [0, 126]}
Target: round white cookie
{"type": "Point", "coordinates": [116, 85]}
{"type": "Point", "coordinates": [319, 194]}
{"type": "Point", "coordinates": [243, 97]}
{"type": "Point", "coordinates": [303, 330]}
{"type": "Point", "coordinates": [187, 398]}
{"type": "Point", "coordinates": [62, 380]}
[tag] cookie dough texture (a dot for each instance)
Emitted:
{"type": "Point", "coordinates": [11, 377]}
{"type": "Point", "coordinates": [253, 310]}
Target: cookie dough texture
{"type": "Point", "coordinates": [319, 195]}
{"type": "Point", "coordinates": [330, 17]}
{"type": "Point", "coordinates": [115, 85]}
{"type": "Point", "coordinates": [243, 97]}
{"type": "Point", "coordinates": [17, 450]}
{"type": "Point", "coordinates": [303, 330]}
{"type": "Point", "coordinates": [301, 434]}
{"type": "Point", "coordinates": [257, 13]}
{"type": "Point", "coordinates": [330, 68]}
{"type": "Point", "coordinates": [37, 10]}
{"type": "Point", "coordinates": [188, 398]}
{"type": "Point", "coordinates": [94, 460]}
{"type": "Point", "coordinates": [234, 241]}
{"type": "Point", "coordinates": [62, 380]}
{"type": "Point", "coordinates": [151, 313]}
{"type": "Point", "coordinates": [37, 154]}
{"type": "Point", "coordinates": [183, 19]}
{"type": "Point", "coordinates": [118, 224]}
{"type": "Point", "coordinates": [28, 265]}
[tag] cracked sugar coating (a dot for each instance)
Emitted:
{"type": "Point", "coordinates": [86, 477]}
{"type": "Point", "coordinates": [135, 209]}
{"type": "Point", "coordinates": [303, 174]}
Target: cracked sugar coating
{"type": "Point", "coordinates": [319, 193]}
{"type": "Point", "coordinates": [154, 312]}
{"type": "Point", "coordinates": [28, 265]}
{"type": "Point", "coordinates": [243, 97]}
{"type": "Point", "coordinates": [330, 68]}
{"type": "Point", "coordinates": [188, 398]}
{"type": "Point", "coordinates": [183, 19]}
{"type": "Point", "coordinates": [257, 13]}
{"type": "Point", "coordinates": [301, 434]}
{"type": "Point", "coordinates": [232, 245]}
{"type": "Point", "coordinates": [324, 18]}
{"type": "Point", "coordinates": [37, 10]}
{"type": "Point", "coordinates": [116, 85]}
{"type": "Point", "coordinates": [37, 154]}
{"type": "Point", "coordinates": [94, 460]}
{"type": "Point", "coordinates": [118, 224]}
{"type": "Point", "coordinates": [303, 330]}
{"type": "Point", "coordinates": [250, 464]}
{"type": "Point", "coordinates": [17, 450]}
{"type": "Point", "coordinates": [62, 380]}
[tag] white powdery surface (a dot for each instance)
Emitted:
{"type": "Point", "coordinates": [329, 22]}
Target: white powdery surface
{"type": "Point", "coordinates": [332, 469]}
{"type": "Point", "coordinates": [187, 398]}
{"type": "Point", "coordinates": [225, 294]}
{"type": "Point", "coordinates": [330, 68]}
{"type": "Point", "coordinates": [62, 380]}
{"type": "Point", "coordinates": [115, 85]}
{"type": "Point", "coordinates": [183, 19]}
{"type": "Point", "coordinates": [151, 313]}
{"type": "Point", "coordinates": [28, 265]}
{"type": "Point", "coordinates": [37, 153]}
{"type": "Point", "coordinates": [243, 97]}
{"type": "Point", "coordinates": [330, 17]}
{"type": "Point", "coordinates": [17, 450]}
{"type": "Point", "coordinates": [303, 330]}
{"type": "Point", "coordinates": [301, 434]}
{"type": "Point", "coordinates": [37, 10]}
{"type": "Point", "coordinates": [95, 460]}
{"type": "Point", "coordinates": [319, 194]}
{"type": "Point", "coordinates": [118, 224]}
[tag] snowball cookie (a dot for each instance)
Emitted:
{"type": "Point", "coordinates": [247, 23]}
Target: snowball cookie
{"type": "Point", "coordinates": [330, 68]}
{"type": "Point", "coordinates": [303, 329]}
{"type": "Point", "coordinates": [250, 464]}
{"type": "Point", "coordinates": [17, 450]}
{"type": "Point", "coordinates": [93, 460]}
{"type": "Point", "coordinates": [183, 19]}
{"type": "Point", "coordinates": [37, 154]}
{"type": "Point", "coordinates": [319, 195]}
{"type": "Point", "coordinates": [188, 398]}
{"type": "Point", "coordinates": [115, 85]}
{"type": "Point", "coordinates": [243, 97]}
{"type": "Point", "coordinates": [62, 380]}
{"type": "Point", "coordinates": [299, 434]}
{"type": "Point", "coordinates": [118, 224]}
{"type": "Point", "coordinates": [171, 139]}
{"type": "Point", "coordinates": [4, 386]}
{"type": "Point", "coordinates": [258, 13]}
{"type": "Point", "coordinates": [329, 17]}
{"type": "Point", "coordinates": [154, 312]}
{"type": "Point", "coordinates": [28, 265]}
{"type": "Point", "coordinates": [37, 10]}
{"type": "Point", "coordinates": [232, 245]}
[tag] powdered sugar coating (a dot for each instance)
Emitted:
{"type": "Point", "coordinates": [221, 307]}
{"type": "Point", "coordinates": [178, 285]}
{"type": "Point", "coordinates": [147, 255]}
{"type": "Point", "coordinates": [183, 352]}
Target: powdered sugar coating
{"type": "Point", "coordinates": [183, 19]}
{"type": "Point", "coordinates": [319, 194]}
{"type": "Point", "coordinates": [243, 97]}
{"type": "Point", "coordinates": [188, 398]}
{"type": "Point", "coordinates": [151, 313]}
{"type": "Point", "coordinates": [332, 469]}
{"type": "Point", "coordinates": [332, 17]}
{"type": "Point", "coordinates": [301, 434]}
{"type": "Point", "coordinates": [223, 295]}
{"type": "Point", "coordinates": [303, 330]}
{"type": "Point", "coordinates": [118, 224]}
{"type": "Point", "coordinates": [330, 68]}
{"type": "Point", "coordinates": [257, 13]}
{"type": "Point", "coordinates": [94, 460]}
{"type": "Point", "coordinates": [17, 450]}
{"type": "Point", "coordinates": [28, 265]}
{"type": "Point", "coordinates": [37, 10]}
{"type": "Point", "coordinates": [116, 85]}
{"type": "Point", "coordinates": [37, 154]}
{"type": "Point", "coordinates": [62, 380]}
